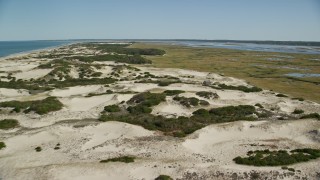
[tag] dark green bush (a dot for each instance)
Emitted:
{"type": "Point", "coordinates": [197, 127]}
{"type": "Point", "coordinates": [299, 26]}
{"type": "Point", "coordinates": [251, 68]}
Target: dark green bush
{"type": "Point", "coordinates": [173, 92]}
{"type": "Point", "coordinates": [180, 127]}
{"type": "Point", "coordinates": [8, 124]}
{"type": "Point", "coordinates": [240, 88]}
{"type": "Point", "coordinates": [188, 102]}
{"type": "Point", "coordinates": [170, 126]}
{"type": "Point", "coordinates": [112, 108]}
{"type": "Point", "coordinates": [163, 177]}
{"type": "Point", "coordinates": [299, 99]}
{"type": "Point", "coordinates": [233, 112]}
{"type": "Point", "coordinates": [311, 116]}
{"type": "Point", "coordinates": [138, 109]}
{"type": "Point", "coordinates": [281, 95]}
{"type": "Point", "coordinates": [298, 111]}
{"type": "Point", "coordinates": [207, 94]}
{"type": "Point", "coordinates": [125, 159]}
{"type": "Point", "coordinates": [148, 99]}
{"type": "Point", "coordinates": [201, 112]}
{"type": "Point", "coordinates": [278, 158]}
{"type": "Point", "coordinates": [38, 149]}
{"type": "Point", "coordinates": [2, 145]}
{"type": "Point", "coordinates": [204, 103]}
{"type": "Point", "coordinates": [40, 107]}
{"type": "Point", "coordinates": [259, 105]}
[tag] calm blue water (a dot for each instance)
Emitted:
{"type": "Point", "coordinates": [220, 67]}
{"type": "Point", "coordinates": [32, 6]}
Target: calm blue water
{"type": "Point", "coordinates": [13, 47]}
{"type": "Point", "coordinates": [302, 75]}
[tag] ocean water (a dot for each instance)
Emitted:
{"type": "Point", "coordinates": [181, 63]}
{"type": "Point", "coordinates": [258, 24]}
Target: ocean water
{"type": "Point", "coordinates": [13, 47]}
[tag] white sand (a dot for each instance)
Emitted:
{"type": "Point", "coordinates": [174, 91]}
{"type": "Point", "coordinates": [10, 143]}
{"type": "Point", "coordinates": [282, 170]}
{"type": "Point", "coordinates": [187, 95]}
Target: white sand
{"type": "Point", "coordinates": [77, 90]}
{"type": "Point", "coordinates": [32, 74]}
{"type": "Point", "coordinates": [87, 103]}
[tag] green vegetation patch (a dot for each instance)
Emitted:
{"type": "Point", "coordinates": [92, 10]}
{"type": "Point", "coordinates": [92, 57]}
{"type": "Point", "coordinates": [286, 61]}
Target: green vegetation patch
{"type": "Point", "coordinates": [163, 82]}
{"type": "Point", "coordinates": [125, 159]}
{"type": "Point", "coordinates": [233, 112]}
{"type": "Point", "coordinates": [2, 145]}
{"type": "Point", "coordinates": [239, 88]}
{"type": "Point", "coordinates": [38, 149]}
{"type": "Point", "coordinates": [298, 111]}
{"type": "Point", "coordinates": [112, 108]}
{"type": "Point", "coordinates": [181, 126]}
{"type": "Point", "coordinates": [173, 92]}
{"type": "Point", "coordinates": [123, 49]}
{"type": "Point", "coordinates": [8, 124]}
{"type": "Point", "coordinates": [208, 95]}
{"type": "Point", "coordinates": [278, 158]}
{"type": "Point", "coordinates": [40, 107]}
{"type": "Point", "coordinates": [148, 99]}
{"type": "Point", "coordinates": [281, 95]}
{"type": "Point", "coordinates": [134, 59]}
{"type": "Point", "coordinates": [259, 105]}
{"type": "Point", "coordinates": [170, 126]}
{"type": "Point", "coordinates": [163, 177]}
{"type": "Point", "coordinates": [143, 102]}
{"type": "Point", "coordinates": [190, 102]}
{"type": "Point", "coordinates": [311, 116]}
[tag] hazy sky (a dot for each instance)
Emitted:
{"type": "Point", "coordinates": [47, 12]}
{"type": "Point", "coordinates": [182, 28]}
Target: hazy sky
{"type": "Point", "coordinates": [160, 19]}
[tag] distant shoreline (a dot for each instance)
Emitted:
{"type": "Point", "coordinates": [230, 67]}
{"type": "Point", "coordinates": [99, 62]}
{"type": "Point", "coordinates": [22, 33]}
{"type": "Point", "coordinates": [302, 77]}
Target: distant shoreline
{"type": "Point", "coordinates": [300, 47]}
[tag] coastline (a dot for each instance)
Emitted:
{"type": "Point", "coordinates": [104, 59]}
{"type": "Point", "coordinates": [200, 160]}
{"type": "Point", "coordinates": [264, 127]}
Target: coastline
{"type": "Point", "coordinates": [35, 51]}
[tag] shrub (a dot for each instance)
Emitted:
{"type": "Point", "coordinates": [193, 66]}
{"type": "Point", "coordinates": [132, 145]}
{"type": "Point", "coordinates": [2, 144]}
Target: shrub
{"type": "Point", "coordinates": [240, 88]}
{"type": "Point", "coordinates": [170, 126]}
{"type": "Point", "coordinates": [204, 103]}
{"type": "Point", "coordinates": [40, 107]}
{"type": "Point", "coordinates": [2, 145]}
{"type": "Point", "coordinates": [8, 124]}
{"type": "Point", "coordinates": [188, 102]}
{"type": "Point", "coordinates": [163, 177]}
{"type": "Point", "coordinates": [311, 116]}
{"type": "Point", "coordinates": [281, 95]}
{"type": "Point", "coordinates": [148, 99]}
{"type": "Point", "coordinates": [138, 109]}
{"type": "Point", "coordinates": [299, 99]}
{"type": "Point", "coordinates": [298, 111]}
{"type": "Point", "coordinates": [201, 112]}
{"type": "Point", "coordinates": [232, 113]}
{"type": "Point", "coordinates": [45, 106]}
{"type": "Point", "coordinates": [208, 95]}
{"type": "Point", "coordinates": [181, 126]}
{"type": "Point", "coordinates": [125, 159]}
{"type": "Point", "coordinates": [38, 149]}
{"type": "Point", "coordinates": [259, 105]}
{"type": "Point", "coordinates": [173, 92]}
{"type": "Point", "coordinates": [112, 108]}
{"type": "Point", "coordinates": [278, 158]}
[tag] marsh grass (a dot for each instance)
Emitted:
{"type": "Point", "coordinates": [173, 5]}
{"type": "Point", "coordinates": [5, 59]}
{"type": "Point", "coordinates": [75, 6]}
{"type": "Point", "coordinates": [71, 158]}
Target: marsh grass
{"type": "Point", "coordinates": [218, 60]}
